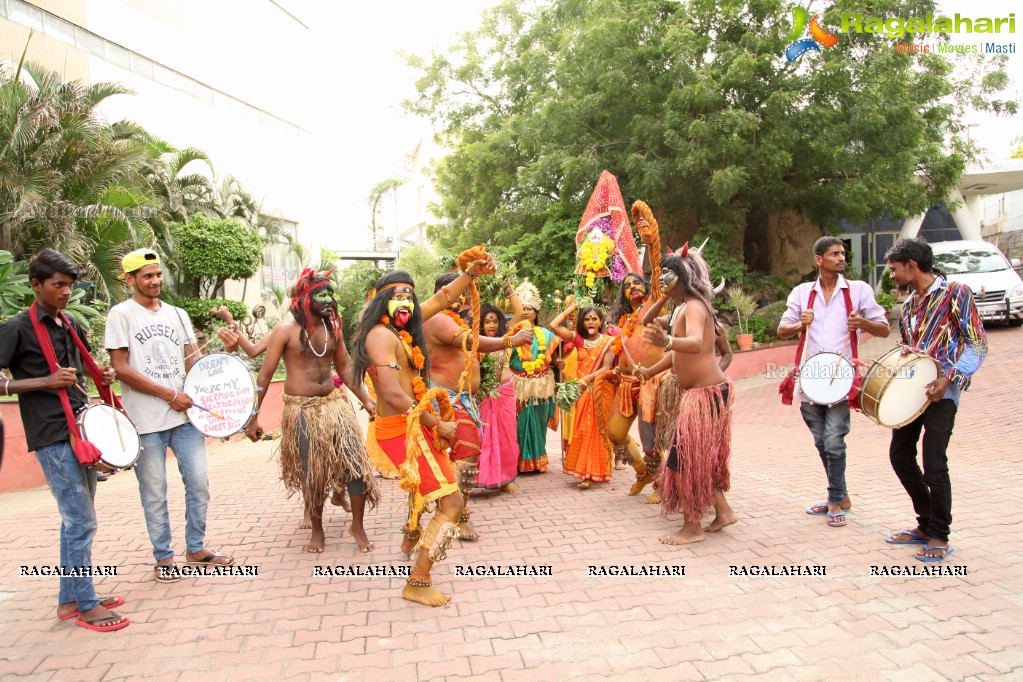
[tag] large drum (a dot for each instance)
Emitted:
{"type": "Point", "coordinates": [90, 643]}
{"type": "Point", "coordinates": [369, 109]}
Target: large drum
{"type": "Point", "coordinates": [894, 390]}
{"type": "Point", "coordinates": [223, 392]}
{"type": "Point", "coordinates": [113, 434]}
{"type": "Point", "coordinates": [826, 378]}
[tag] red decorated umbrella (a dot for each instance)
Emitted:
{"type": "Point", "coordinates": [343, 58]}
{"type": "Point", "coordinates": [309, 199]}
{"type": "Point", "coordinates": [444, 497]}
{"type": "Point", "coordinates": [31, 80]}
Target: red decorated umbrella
{"type": "Point", "coordinates": [606, 211]}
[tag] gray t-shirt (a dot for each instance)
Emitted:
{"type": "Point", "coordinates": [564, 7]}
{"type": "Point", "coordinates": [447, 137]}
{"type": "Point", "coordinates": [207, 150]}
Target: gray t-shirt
{"type": "Point", "coordinates": [156, 348]}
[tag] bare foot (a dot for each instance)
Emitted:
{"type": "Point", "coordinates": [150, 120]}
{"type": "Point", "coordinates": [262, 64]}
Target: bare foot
{"type": "Point", "coordinates": [467, 531]}
{"type": "Point", "coordinates": [619, 466]}
{"type": "Point", "coordinates": [407, 546]}
{"type": "Point", "coordinates": [655, 498]}
{"type": "Point", "coordinates": [683, 537]}
{"type": "Point", "coordinates": [307, 523]}
{"type": "Point", "coordinates": [339, 499]}
{"type": "Point", "coordinates": [640, 483]}
{"type": "Point", "coordinates": [508, 488]}
{"type": "Point", "coordinates": [315, 545]}
{"type": "Point", "coordinates": [361, 539]}
{"type": "Point", "coordinates": [70, 609]}
{"type": "Point", "coordinates": [425, 595]}
{"type": "Point", "coordinates": [101, 617]}
{"type": "Point", "coordinates": [721, 521]}
{"type": "Point", "coordinates": [584, 485]}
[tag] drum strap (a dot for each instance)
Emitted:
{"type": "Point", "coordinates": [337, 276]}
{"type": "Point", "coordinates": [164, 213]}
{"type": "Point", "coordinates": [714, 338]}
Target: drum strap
{"type": "Point", "coordinates": [853, 341]}
{"type": "Point", "coordinates": [87, 453]}
{"type": "Point", "coordinates": [802, 334]}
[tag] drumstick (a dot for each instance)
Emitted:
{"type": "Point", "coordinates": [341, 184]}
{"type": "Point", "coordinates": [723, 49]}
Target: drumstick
{"type": "Point", "coordinates": [206, 409]}
{"type": "Point", "coordinates": [838, 363]}
{"type": "Point", "coordinates": [117, 422]}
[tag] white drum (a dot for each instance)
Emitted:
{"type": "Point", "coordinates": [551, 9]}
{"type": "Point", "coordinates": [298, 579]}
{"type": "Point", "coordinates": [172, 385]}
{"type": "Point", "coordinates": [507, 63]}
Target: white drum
{"type": "Point", "coordinates": [113, 434]}
{"type": "Point", "coordinates": [894, 390]}
{"type": "Point", "coordinates": [826, 378]}
{"type": "Point", "coordinates": [223, 384]}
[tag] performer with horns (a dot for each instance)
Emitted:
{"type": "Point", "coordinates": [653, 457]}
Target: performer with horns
{"type": "Point", "coordinates": [322, 452]}
{"type": "Point", "coordinates": [388, 347]}
{"type": "Point", "coordinates": [696, 476]}
{"type": "Point", "coordinates": [455, 367]}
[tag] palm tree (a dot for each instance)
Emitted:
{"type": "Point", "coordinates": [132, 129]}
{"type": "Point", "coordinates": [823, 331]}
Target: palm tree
{"type": "Point", "coordinates": [68, 179]}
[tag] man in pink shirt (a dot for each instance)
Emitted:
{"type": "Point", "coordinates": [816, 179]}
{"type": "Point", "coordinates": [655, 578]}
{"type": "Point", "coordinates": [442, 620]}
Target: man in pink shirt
{"type": "Point", "coordinates": [840, 309]}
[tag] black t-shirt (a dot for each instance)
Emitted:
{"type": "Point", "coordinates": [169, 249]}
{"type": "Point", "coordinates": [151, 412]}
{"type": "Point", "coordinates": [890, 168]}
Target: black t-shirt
{"type": "Point", "coordinates": [41, 411]}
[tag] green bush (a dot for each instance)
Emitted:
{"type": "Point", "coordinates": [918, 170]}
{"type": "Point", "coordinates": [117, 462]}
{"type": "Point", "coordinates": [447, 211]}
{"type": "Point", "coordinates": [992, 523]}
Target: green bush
{"type": "Point", "coordinates": [766, 320]}
{"type": "Point", "coordinates": [198, 310]}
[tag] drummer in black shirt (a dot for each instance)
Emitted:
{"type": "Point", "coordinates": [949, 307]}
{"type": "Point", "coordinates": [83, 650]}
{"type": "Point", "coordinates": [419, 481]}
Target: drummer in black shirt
{"type": "Point", "coordinates": [52, 277]}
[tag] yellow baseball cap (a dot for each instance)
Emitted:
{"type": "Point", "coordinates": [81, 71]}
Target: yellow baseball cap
{"type": "Point", "coordinates": [137, 259]}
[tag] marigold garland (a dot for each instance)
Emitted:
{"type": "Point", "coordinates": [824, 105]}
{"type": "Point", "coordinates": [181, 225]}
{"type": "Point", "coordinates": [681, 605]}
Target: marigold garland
{"type": "Point", "coordinates": [385, 320]}
{"type": "Point", "coordinates": [415, 355]}
{"type": "Point", "coordinates": [627, 325]}
{"type": "Point", "coordinates": [594, 257]}
{"type": "Point", "coordinates": [529, 365]}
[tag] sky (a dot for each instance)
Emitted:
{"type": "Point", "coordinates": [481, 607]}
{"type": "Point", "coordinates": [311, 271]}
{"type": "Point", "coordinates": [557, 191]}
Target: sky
{"type": "Point", "coordinates": [367, 136]}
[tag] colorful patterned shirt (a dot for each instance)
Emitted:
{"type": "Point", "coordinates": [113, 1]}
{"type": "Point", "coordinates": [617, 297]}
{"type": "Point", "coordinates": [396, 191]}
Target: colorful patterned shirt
{"type": "Point", "coordinates": [945, 324]}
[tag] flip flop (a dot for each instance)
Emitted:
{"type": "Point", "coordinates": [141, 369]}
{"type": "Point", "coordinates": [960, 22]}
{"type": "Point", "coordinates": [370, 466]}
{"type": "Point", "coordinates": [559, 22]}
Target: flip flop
{"type": "Point", "coordinates": [208, 560]}
{"type": "Point", "coordinates": [168, 576]}
{"type": "Point", "coordinates": [935, 559]}
{"type": "Point", "coordinates": [836, 524]}
{"type": "Point", "coordinates": [109, 602]}
{"type": "Point", "coordinates": [917, 538]}
{"type": "Point", "coordinates": [816, 509]}
{"type": "Point", "coordinates": [91, 624]}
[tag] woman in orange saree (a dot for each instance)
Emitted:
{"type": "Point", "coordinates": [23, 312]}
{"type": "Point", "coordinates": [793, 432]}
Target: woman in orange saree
{"type": "Point", "coordinates": [589, 452]}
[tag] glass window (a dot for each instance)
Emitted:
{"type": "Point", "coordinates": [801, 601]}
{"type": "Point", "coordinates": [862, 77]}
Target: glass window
{"type": "Point", "coordinates": [970, 260]}
{"type": "Point", "coordinates": [89, 42]}
{"type": "Point", "coordinates": [116, 55]}
{"type": "Point", "coordinates": [141, 66]}
{"type": "Point", "coordinates": [55, 27]}
{"type": "Point", "coordinates": [25, 14]}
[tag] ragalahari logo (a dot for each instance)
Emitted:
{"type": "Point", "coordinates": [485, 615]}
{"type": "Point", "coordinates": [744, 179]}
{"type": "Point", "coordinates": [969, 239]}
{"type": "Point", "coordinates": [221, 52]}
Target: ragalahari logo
{"type": "Point", "coordinates": [818, 36]}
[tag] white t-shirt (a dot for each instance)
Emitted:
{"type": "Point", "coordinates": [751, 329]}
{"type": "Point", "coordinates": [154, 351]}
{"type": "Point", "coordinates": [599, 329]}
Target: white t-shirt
{"type": "Point", "coordinates": [156, 348]}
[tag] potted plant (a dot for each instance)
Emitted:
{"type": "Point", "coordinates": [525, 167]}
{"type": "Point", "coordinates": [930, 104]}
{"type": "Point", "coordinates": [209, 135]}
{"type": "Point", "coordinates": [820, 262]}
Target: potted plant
{"type": "Point", "coordinates": [744, 306]}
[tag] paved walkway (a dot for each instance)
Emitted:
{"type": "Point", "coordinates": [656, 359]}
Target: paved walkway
{"type": "Point", "coordinates": [286, 623]}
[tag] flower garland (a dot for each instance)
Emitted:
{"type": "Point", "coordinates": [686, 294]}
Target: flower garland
{"type": "Point", "coordinates": [415, 355]}
{"type": "Point", "coordinates": [458, 320]}
{"type": "Point", "coordinates": [627, 324]}
{"type": "Point", "coordinates": [529, 365]}
{"type": "Point", "coordinates": [594, 257]}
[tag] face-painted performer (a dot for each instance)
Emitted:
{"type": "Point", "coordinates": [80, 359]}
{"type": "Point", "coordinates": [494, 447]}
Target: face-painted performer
{"type": "Point", "coordinates": [390, 346]}
{"type": "Point", "coordinates": [322, 451]}
{"type": "Point", "coordinates": [534, 384]}
{"type": "Point", "coordinates": [635, 397]}
{"type": "Point", "coordinates": [696, 474]}
{"type": "Point", "coordinates": [447, 336]}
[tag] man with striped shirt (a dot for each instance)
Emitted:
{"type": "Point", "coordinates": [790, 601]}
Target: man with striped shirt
{"type": "Point", "coordinates": [940, 319]}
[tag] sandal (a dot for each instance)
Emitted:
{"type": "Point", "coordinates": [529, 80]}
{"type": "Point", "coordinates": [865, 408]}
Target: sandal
{"type": "Point", "coordinates": [166, 574]}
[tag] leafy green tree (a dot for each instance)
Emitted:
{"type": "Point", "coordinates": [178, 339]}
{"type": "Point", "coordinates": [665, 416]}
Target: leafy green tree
{"type": "Point", "coordinates": [212, 251]}
{"type": "Point", "coordinates": [423, 265]}
{"type": "Point", "coordinates": [351, 286]}
{"type": "Point", "coordinates": [693, 107]}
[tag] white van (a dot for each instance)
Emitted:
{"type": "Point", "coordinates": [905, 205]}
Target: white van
{"type": "Point", "coordinates": [997, 288]}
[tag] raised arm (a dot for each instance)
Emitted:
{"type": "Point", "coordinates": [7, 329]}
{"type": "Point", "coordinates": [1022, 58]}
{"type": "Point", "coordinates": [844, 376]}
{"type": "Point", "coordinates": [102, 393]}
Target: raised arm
{"type": "Point", "coordinates": [558, 324]}
{"type": "Point", "coordinates": [653, 309]}
{"type": "Point", "coordinates": [518, 313]}
{"type": "Point", "coordinates": [278, 341]}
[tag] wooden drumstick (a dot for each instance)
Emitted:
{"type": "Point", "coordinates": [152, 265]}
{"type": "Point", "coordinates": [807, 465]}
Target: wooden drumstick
{"type": "Point", "coordinates": [206, 409]}
{"type": "Point", "coordinates": [838, 363]}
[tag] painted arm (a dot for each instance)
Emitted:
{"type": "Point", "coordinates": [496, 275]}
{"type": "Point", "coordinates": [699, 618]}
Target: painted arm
{"type": "Point", "coordinates": [518, 313]}
{"type": "Point", "coordinates": [653, 309]}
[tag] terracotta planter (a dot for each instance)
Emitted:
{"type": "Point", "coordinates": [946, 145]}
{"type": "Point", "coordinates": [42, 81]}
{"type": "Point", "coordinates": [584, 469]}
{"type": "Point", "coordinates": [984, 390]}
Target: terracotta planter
{"type": "Point", "coordinates": [744, 341]}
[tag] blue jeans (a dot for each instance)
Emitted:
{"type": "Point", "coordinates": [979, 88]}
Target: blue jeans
{"type": "Point", "coordinates": [829, 426]}
{"type": "Point", "coordinates": [189, 448]}
{"type": "Point", "coordinates": [74, 488]}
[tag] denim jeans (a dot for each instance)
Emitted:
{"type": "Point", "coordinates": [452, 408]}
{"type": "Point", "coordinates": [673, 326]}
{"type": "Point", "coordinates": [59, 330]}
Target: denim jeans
{"type": "Point", "coordinates": [829, 426]}
{"type": "Point", "coordinates": [189, 448]}
{"type": "Point", "coordinates": [930, 489]}
{"type": "Point", "coordinates": [74, 488]}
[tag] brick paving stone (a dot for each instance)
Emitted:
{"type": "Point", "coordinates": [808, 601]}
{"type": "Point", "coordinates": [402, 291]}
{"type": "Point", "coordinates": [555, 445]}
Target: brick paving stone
{"type": "Point", "coordinates": [706, 625]}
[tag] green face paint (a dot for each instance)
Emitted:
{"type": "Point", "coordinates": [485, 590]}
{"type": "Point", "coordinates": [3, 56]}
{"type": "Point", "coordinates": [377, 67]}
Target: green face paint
{"type": "Point", "coordinates": [324, 296]}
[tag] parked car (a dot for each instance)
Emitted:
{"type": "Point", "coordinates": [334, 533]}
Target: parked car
{"type": "Point", "coordinates": [997, 287]}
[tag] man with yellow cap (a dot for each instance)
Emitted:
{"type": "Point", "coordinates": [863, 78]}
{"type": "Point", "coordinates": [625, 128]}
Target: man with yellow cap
{"type": "Point", "coordinates": [152, 345]}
